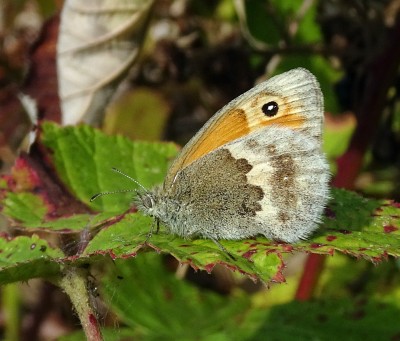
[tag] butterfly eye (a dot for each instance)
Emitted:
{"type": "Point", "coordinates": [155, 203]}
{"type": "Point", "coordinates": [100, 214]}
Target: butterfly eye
{"type": "Point", "coordinates": [270, 109]}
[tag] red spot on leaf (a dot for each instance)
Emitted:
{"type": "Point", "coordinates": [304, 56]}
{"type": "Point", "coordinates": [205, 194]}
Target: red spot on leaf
{"type": "Point", "coordinates": [287, 247]}
{"type": "Point", "coordinates": [362, 249]}
{"type": "Point", "coordinates": [379, 259]}
{"type": "Point", "coordinates": [376, 260]}
{"type": "Point", "coordinates": [232, 267]}
{"type": "Point", "coordinates": [251, 243]}
{"type": "Point", "coordinates": [192, 265]}
{"type": "Point", "coordinates": [278, 278]}
{"type": "Point", "coordinates": [34, 172]}
{"type": "Point", "coordinates": [209, 267]}
{"type": "Point", "coordinates": [316, 245]}
{"type": "Point", "coordinates": [112, 254]}
{"type": "Point", "coordinates": [396, 204]}
{"type": "Point", "coordinates": [378, 212]}
{"type": "Point", "coordinates": [389, 228]}
{"type": "Point", "coordinates": [249, 253]}
{"type": "Point", "coordinates": [271, 251]}
{"type": "Point", "coordinates": [129, 255]}
{"type": "Point", "coordinates": [331, 238]}
{"type": "Point", "coordinates": [25, 177]}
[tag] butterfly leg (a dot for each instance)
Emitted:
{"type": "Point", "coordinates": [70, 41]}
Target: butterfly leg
{"type": "Point", "coordinates": [152, 229]}
{"type": "Point", "coordinates": [223, 249]}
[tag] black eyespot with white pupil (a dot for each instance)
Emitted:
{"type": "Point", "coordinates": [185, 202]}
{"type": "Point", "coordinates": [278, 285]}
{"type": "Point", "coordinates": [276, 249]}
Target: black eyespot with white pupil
{"type": "Point", "coordinates": [270, 109]}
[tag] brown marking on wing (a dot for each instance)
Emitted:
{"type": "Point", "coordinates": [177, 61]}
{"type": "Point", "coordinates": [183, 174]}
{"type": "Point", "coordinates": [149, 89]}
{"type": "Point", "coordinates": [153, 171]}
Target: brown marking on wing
{"type": "Point", "coordinates": [283, 183]}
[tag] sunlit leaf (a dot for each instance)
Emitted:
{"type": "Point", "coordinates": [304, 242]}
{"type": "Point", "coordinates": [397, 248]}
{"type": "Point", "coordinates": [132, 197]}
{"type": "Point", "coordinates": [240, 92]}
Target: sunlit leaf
{"type": "Point", "coordinates": [81, 158]}
{"type": "Point", "coordinates": [23, 258]}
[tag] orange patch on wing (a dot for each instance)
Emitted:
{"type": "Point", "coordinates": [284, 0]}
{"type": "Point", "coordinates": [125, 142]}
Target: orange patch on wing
{"type": "Point", "coordinates": [288, 120]}
{"type": "Point", "coordinates": [284, 118]}
{"type": "Point", "coordinates": [229, 127]}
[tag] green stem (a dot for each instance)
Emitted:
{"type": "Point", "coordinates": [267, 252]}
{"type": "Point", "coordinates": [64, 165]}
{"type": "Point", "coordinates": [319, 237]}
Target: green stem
{"type": "Point", "coordinates": [11, 300]}
{"type": "Point", "coordinates": [74, 283]}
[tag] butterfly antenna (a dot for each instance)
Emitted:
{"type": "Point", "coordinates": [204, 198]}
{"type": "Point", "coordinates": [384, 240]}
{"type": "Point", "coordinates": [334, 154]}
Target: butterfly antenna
{"type": "Point", "coordinates": [129, 177]}
{"type": "Point", "coordinates": [98, 195]}
{"type": "Point", "coordinates": [94, 197]}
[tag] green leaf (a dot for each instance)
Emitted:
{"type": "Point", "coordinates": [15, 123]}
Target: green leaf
{"type": "Point", "coordinates": [359, 227]}
{"type": "Point", "coordinates": [269, 21]}
{"type": "Point", "coordinates": [353, 225]}
{"type": "Point", "coordinates": [261, 23]}
{"type": "Point", "coordinates": [128, 236]}
{"type": "Point", "coordinates": [30, 210]}
{"type": "Point", "coordinates": [166, 307]}
{"type": "Point", "coordinates": [358, 319]}
{"type": "Point", "coordinates": [27, 208]}
{"type": "Point", "coordinates": [23, 258]}
{"type": "Point", "coordinates": [82, 156]}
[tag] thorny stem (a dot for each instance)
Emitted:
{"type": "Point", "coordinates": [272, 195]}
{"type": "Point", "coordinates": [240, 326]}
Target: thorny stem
{"type": "Point", "coordinates": [74, 283]}
{"type": "Point", "coordinates": [311, 274]}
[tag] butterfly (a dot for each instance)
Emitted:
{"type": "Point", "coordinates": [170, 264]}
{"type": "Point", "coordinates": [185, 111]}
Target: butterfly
{"type": "Point", "coordinates": [255, 168]}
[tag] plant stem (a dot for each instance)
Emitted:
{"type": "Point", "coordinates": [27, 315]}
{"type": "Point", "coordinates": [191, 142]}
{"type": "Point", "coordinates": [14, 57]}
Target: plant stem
{"type": "Point", "coordinates": [74, 283]}
{"type": "Point", "coordinates": [11, 303]}
{"type": "Point", "coordinates": [309, 279]}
